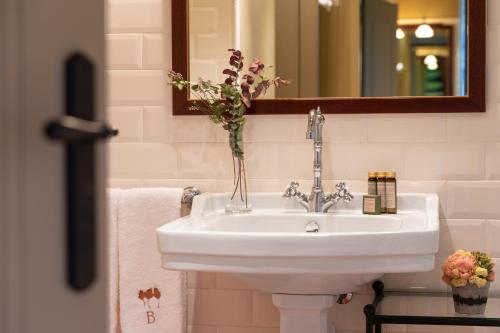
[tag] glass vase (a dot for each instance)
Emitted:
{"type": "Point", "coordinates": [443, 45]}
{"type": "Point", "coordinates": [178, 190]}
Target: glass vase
{"type": "Point", "coordinates": [238, 199]}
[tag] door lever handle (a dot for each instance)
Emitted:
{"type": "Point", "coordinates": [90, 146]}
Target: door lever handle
{"type": "Point", "coordinates": [78, 130]}
{"type": "Point", "coordinates": [71, 129]}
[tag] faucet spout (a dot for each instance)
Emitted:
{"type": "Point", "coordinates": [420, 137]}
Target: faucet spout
{"type": "Point", "coordinates": [315, 124]}
{"type": "Point", "coordinates": [310, 124]}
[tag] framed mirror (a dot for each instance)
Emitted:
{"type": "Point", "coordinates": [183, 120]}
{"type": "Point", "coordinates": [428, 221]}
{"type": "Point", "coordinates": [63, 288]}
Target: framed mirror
{"type": "Point", "coordinates": [346, 56]}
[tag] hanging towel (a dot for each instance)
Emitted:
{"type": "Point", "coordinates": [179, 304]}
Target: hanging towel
{"type": "Point", "coordinates": [113, 305]}
{"type": "Point", "coordinates": [151, 299]}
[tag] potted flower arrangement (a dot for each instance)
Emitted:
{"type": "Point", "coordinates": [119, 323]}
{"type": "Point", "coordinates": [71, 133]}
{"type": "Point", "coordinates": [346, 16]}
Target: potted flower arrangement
{"type": "Point", "coordinates": [226, 104]}
{"type": "Point", "coordinates": [469, 274]}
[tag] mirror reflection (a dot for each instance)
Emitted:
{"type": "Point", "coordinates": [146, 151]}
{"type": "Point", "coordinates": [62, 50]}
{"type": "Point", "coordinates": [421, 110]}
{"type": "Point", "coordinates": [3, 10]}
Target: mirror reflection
{"type": "Point", "coordinates": [337, 48]}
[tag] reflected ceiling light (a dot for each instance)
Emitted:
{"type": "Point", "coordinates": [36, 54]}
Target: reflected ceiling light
{"type": "Point", "coordinates": [430, 59]}
{"type": "Point", "coordinates": [432, 62]}
{"type": "Point", "coordinates": [400, 66]}
{"type": "Point", "coordinates": [424, 31]}
{"type": "Point", "coordinates": [327, 4]}
{"type": "Point", "coordinates": [400, 34]}
{"type": "Point", "coordinates": [433, 67]}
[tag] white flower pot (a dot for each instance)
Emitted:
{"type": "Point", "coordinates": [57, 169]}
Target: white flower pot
{"type": "Point", "coordinates": [470, 299]}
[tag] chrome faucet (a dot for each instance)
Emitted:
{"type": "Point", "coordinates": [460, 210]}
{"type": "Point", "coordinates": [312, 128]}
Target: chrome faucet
{"type": "Point", "coordinates": [317, 201]}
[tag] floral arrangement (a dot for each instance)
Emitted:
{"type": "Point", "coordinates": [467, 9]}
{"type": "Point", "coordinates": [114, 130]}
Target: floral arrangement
{"type": "Point", "coordinates": [226, 103]}
{"type": "Point", "coordinates": [463, 267]}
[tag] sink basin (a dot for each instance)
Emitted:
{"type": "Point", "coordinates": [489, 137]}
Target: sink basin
{"type": "Point", "coordinates": [270, 249]}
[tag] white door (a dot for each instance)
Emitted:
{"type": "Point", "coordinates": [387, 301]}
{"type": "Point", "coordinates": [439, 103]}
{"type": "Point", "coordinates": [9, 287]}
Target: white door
{"type": "Point", "coordinates": [52, 265]}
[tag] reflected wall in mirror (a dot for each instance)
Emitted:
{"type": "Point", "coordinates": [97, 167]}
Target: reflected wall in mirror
{"type": "Point", "coordinates": [342, 48]}
{"type": "Point", "coordinates": [346, 56]}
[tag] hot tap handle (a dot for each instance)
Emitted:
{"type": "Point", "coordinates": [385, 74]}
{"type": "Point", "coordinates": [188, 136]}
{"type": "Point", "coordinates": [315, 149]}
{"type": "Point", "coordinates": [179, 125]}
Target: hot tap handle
{"type": "Point", "coordinates": [343, 192]}
{"type": "Point", "coordinates": [291, 189]}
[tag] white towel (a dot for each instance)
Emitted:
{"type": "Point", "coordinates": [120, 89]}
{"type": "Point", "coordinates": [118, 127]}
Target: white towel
{"type": "Point", "coordinates": [113, 305]}
{"type": "Point", "coordinates": [151, 299]}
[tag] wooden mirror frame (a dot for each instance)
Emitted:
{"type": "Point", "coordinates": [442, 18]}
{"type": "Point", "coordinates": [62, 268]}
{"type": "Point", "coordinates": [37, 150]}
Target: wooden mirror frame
{"type": "Point", "coordinates": [475, 101]}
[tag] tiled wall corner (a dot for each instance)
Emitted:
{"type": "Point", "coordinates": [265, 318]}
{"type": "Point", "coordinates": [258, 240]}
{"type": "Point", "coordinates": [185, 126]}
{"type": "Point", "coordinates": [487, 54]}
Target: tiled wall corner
{"type": "Point", "coordinates": [454, 155]}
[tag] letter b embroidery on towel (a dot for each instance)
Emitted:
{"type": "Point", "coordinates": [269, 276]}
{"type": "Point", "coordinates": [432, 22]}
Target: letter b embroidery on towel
{"type": "Point", "coordinates": [150, 315]}
{"type": "Point", "coordinates": [145, 297]}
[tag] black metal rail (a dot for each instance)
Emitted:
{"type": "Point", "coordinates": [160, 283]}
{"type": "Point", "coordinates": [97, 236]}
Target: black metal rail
{"type": "Point", "coordinates": [375, 321]}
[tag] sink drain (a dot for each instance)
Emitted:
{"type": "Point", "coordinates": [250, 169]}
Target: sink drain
{"type": "Point", "coordinates": [312, 227]}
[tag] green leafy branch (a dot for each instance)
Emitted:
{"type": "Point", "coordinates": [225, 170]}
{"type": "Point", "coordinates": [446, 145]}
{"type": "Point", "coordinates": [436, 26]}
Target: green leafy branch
{"type": "Point", "coordinates": [226, 103]}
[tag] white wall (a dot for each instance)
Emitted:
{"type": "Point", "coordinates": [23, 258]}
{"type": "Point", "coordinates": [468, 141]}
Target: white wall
{"type": "Point", "coordinates": [455, 155]}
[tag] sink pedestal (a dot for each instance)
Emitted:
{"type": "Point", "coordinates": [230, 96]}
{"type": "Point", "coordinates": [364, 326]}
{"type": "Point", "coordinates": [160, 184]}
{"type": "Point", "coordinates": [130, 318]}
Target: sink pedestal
{"type": "Point", "coordinates": [304, 313]}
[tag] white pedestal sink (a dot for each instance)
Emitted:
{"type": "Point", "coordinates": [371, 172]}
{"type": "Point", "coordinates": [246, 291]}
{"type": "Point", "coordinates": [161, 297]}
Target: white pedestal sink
{"type": "Point", "coordinates": [270, 249]}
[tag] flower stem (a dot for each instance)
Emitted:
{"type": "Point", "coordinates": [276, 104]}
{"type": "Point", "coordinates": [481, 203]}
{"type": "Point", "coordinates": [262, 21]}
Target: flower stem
{"type": "Point", "coordinates": [234, 171]}
{"type": "Point", "coordinates": [239, 171]}
{"type": "Point", "coordinates": [236, 185]}
{"type": "Point", "coordinates": [245, 180]}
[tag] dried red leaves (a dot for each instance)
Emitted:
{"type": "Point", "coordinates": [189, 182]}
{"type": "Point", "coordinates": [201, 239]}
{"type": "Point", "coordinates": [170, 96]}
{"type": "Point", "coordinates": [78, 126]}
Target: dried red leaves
{"type": "Point", "coordinates": [253, 84]}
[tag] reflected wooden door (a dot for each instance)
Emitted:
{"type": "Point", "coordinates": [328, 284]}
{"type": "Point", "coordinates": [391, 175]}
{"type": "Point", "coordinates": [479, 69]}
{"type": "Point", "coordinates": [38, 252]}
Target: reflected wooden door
{"type": "Point", "coordinates": [379, 48]}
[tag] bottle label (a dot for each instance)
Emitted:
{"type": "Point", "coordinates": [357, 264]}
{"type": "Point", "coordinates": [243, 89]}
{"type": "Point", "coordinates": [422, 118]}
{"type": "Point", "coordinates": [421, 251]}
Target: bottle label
{"type": "Point", "coordinates": [391, 196]}
{"type": "Point", "coordinates": [369, 205]}
{"type": "Point", "coordinates": [372, 187]}
{"type": "Point", "coordinates": [381, 192]}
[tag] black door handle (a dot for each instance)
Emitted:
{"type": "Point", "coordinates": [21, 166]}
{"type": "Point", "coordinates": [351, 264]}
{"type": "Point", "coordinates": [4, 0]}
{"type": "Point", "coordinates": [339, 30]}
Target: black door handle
{"type": "Point", "coordinates": [79, 131]}
{"type": "Point", "coordinates": [70, 129]}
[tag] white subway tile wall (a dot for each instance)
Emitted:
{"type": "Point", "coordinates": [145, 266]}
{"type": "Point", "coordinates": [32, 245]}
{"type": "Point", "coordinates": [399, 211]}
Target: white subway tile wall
{"type": "Point", "coordinates": [454, 155]}
{"type": "Point", "coordinates": [136, 87]}
{"type": "Point", "coordinates": [124, 51]}
{"type": "Point", "coordinates": [152, 51]}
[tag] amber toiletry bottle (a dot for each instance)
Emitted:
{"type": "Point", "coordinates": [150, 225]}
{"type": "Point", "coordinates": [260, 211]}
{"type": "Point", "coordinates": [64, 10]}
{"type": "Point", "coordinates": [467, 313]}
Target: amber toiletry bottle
{"type": "Point", "coordinates": [372, 183]}
{"type": "Point", "coordinates": [381, 182]}
{"type": "Point", "coordinates": [391, 193]}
